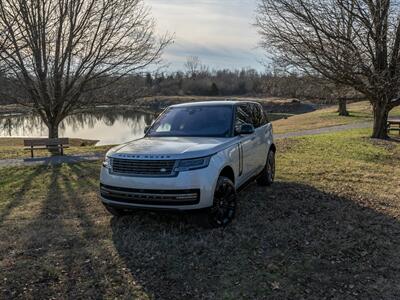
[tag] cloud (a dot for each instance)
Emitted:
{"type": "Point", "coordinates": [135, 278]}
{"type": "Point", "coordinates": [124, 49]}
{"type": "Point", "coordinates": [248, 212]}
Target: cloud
{"type": "Point", "coordinates": [223, 56]}
{"type": "Point", "coordinates": [219, 32]}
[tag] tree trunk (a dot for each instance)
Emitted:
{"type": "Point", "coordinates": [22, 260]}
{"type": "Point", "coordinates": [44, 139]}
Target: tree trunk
{"type": "Point", "coordinates": [343, 107]}
{"type": "Point", "coordinates": [53, 131]}
{"type": "Point", "coordinates": [381, 114]}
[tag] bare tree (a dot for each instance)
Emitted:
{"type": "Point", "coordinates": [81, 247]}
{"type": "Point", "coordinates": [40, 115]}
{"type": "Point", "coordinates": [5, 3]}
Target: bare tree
{"type": "Point", "coordinates": [354, 43]}
{"type": "Point", "coordinates": [57, 51]}
{"type": "Point", "coordinates": [192, 65]}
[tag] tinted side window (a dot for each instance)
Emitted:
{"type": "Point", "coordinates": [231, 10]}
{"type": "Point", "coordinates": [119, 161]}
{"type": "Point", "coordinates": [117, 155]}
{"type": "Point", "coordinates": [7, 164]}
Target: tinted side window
{"type": "Point", "coordinates": [257, 115]}
{"type": "Point", "coordinates": [263, 119]}
{"type": "Point", "coordinates": [266, 120]}
{"type": "Point", "coordinates": [243, 115]}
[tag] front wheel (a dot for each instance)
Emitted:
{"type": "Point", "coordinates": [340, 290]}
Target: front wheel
{"type": "Point", "coordinates": [267, 175]}
{"type": "Point", "coordinates": [224, 205]}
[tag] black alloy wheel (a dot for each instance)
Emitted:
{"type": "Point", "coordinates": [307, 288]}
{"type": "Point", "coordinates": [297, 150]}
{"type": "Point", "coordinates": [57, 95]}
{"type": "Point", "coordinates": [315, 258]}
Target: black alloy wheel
{"type": "Point", "coordinates": [224, 208]}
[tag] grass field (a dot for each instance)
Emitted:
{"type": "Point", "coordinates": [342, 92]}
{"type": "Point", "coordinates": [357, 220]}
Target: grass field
{"type": "Point", "coordinates": [328, 228]}
{"type": "Point", "coordinates": [327, 117]}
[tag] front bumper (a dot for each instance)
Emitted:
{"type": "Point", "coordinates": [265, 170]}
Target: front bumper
{"type": "Point", "coordinates": [189, 190]}
{"type": "Point", "coordinates": [150, 197]}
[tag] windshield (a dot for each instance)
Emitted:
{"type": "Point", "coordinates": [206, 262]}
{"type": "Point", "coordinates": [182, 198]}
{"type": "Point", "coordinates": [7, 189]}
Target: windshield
{"type": "Point", "coordinates": [202, 121]}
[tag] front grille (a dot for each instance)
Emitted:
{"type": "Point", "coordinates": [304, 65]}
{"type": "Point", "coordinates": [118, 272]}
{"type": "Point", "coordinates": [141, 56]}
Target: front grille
{"type": "Point", "coordinates": [150, 197]}
{"type": "Point", "coordinates": [134, 167]}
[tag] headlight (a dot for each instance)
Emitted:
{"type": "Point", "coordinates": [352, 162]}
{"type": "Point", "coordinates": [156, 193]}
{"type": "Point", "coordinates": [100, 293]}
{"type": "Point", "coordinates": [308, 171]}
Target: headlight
{"type": "Point", "coordinates": [193, 164]}
{"type": "Point", "coordinates": [107, 162]}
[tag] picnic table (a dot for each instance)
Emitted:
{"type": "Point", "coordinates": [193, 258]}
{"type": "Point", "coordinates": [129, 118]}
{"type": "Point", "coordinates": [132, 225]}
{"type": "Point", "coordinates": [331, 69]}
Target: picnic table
{"type": "Point", "coordinates": [393, 125]}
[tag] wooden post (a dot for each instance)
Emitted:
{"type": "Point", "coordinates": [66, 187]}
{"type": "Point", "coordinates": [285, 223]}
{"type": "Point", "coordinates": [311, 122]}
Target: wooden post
{"type": "Point", "coordinates": [31, 151]}
{"type": "Point", "coordinates": [62, 150]}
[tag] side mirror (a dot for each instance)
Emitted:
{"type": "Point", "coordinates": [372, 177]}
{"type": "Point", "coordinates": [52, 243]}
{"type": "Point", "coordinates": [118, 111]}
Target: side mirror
{"type": "Point", "coordinates": [246, 129]}
{"type": "Point", "coordinates": [146, 128]}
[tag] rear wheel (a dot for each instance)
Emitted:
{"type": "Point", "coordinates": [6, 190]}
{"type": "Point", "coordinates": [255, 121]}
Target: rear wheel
{"type": "Point", "coordinates": [115, 211]}
{"type": "Point", "coordinates": [267, 175]}
{"type": "Point", "coordinates": [224, 205]}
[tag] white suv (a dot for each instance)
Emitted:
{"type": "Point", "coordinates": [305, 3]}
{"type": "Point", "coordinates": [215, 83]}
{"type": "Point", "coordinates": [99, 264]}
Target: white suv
{"type": "Point", "coordinates": [194, 157]}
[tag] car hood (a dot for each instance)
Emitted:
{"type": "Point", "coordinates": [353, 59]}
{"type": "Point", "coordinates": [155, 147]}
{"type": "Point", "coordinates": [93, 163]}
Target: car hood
{"type": "Point", "coordinates": [170, 147]}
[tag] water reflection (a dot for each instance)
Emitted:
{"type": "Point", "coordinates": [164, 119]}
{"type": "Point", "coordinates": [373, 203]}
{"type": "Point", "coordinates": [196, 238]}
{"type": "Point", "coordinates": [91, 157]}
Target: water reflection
{"type": "Point", "coordinates": [108, 125]}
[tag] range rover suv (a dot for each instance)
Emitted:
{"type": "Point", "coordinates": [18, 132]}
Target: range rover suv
{"type": "Point", "coordinates": [195, 156]}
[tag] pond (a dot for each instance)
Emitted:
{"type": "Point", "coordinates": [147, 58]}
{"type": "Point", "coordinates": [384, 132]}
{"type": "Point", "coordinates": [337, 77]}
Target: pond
{"type": "Point", "coordinates": [108, 125]}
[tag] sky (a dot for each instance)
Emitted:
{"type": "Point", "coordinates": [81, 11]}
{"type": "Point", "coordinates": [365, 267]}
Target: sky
{"type": "Point", "coordinates": [219, 32]}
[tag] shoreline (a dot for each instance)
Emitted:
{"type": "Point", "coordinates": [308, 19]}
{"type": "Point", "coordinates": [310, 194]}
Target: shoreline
{"type": "Point", "coordinates": [156, 104]}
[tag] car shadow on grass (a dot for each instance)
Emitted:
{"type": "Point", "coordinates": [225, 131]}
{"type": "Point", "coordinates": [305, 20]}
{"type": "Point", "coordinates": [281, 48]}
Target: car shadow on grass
{"type": "Point", "coordinates": [288, 241]}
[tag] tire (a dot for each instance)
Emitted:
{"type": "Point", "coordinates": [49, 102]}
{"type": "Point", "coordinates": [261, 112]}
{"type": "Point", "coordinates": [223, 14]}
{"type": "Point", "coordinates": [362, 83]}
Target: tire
{"type": "Point", "coordinates": [267, 175]}
{"type": "Point", "coordinates": [224, 205]}
{"type": "Point", "coordinates": [117, 212]}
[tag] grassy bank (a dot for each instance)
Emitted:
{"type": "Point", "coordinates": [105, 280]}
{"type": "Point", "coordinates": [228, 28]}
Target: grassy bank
{"type": "Point", "coordinates": [329, 227]}
{"type": "Point", "coordinates": [271, 104]}
{"type": "Point", "coordinates": [327, 117]}
{"type": "Point", "coordinates": [157, 103]}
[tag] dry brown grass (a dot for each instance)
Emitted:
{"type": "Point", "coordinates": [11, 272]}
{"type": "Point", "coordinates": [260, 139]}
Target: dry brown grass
{"type": "Point", "coordinates": [359, 112]}
{"type": "Point", "coordinates": [328, 228]}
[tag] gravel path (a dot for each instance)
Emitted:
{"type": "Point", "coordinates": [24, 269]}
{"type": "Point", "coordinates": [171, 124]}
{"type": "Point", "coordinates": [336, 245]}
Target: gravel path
{"type": "Point", "coordinates": [56, 160]}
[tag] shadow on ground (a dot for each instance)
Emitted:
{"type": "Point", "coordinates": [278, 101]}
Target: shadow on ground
{"type": "Point", "coordinates": [291, 241]}
{"type": "Point", "coordinates": [288, 241]}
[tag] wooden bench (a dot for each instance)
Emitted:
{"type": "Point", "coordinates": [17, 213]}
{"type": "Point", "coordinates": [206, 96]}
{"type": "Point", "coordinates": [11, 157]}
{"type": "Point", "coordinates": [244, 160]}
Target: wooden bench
{"type": "Point", "coordinates": [393, 125]}
{"type": "Point", "coordinates": [60, 144]}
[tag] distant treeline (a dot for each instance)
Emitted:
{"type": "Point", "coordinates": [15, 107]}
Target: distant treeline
{"type": "Point", "coordinates": [246, 82]}
{"type": "Point", "coordinates": [239, 83]}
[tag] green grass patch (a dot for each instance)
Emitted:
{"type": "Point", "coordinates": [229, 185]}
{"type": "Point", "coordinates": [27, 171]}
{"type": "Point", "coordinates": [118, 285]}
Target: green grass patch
{"type": "Point", "coordinates": [344, 157]}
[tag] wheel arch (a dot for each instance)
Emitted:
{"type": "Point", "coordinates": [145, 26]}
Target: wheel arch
{"type": "Point", "coordinates": [228, 172]}
{"type": "Point", "coordinates": [272, 148]}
